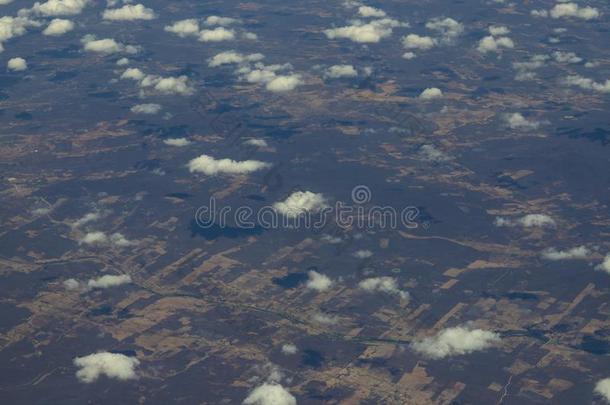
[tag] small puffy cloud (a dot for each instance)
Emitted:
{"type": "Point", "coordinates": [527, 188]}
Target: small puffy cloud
{"type": "Point", "coordinates": [94, 238]}
{"type": "Point", "coordinates": [71, 284]}
{"type": "Point", "coordinates": [159, 84]}
{"type": "Point", "coordinates": [146, 108]}
{"type": "Point", "coordinates": [17, 64]}
{"type": "Point", "coordinates": [518, 121]}
{"type": "Point", "coordinates": [216, 35]}
{"type": "Point", "coordinates": [58, 26]}
{"type": "Point", "coordinates": [588, 84]}
{"type": "Point", "coordinates": [528, 221]}
{"type": "Point", "coordinates": [87, 218]}
{"type": "Point", "coordinates": [361, 32]}
{"type": "Point", "coordinates": [431, 93]}
{"type": "Point", "coordinates": [289, 348]}
{"type": "Point", "coordinates": [108, 281]}
{"type": "Point", "coordinates": [432, 154]}
{"type": "Point", "coordinates": [605, 265]}
{"type": "Point", "coordinates": [454, 342]}
{"type": "Point", "coordinates": [129, 13]}
{"type": "Point", "coordinates": [447, 27]}
{"type": "Point", "coordinates": [184, 28]}
{"type": "Point", "coordinates": [493, 44]}
{"type": "Point", "coordinates": [383, 284]}
{"type": "Point", "coordinates": [208, 165]}
{"type": "Point", "coordinates": [408, 55]}
{"type": "Point", "coordinates": [133, 74]}
{"type": "Point", "coordinates": [367, 11]}
{"type": "Point", "coordinates": [566, 57]}
{"type": "Point", "coordinates": [337, 71]}
{"type": "Point", "coordinates": [177, 142]}
{"type": "Point", "coordinates": [270, 394]}
{"type": "Point", "coordinates": [325, 319]}
{"type": "Point", "coordinates": [414, 41]}
{"type": "Point", "coordinates": [524, 69]}
{"type": "Point", "coordinates": [112, 365]}
{"type": "Point", "coordinates": [573, 10]}
{"type": "Point", "coordinates": [299, 203]}
{"type": "Point", "coordinates": [318, 281]}
{"type": "Point", "coordinates": [118, 239]}
{"type": "Point", "coordinates": [259, 143]}
{"type": "Point", "coordinates": [270, 76]}
{"type": "Point", "coordinates": [282, 83]}
{"type": "Point", "coordinates": [106, 46]}
{"type": "Point", "coordinates": [602, 388]}
{"type": "Point", "coordinates": [232, 57]}
{"type": "Point", "coordinates": [539, 13]}
{"type": "Point", "coordinates": [497, 30]}
{"type": "Point", "coordinates": [122, 62]}
{"type": "Point", "coordinates": [53, 8]}
{"type": "Point", "coordinates": [363, 254]}
{"type": "Point", "coordinates": [221, 21]}
{"type": "Point", "coordinates": [579, 252]}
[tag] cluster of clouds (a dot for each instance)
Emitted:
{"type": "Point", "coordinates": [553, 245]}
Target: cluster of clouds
{"type": "Point", "coordinates": [588, 84]}
{"type": "Point", "coordinates": [212, 29]}
{"type": "Point", "coordinates": [211, 166]}
{"type": "Point", "coordinates": [102, 282]}
{"type": "Point", "coordinates": [568, 10]}
{"type": "Point", "coordinates": [299, 203]}
{"type": "Point", "coordinates": [496, 40]}
{"type": "Point", "coordinates": [383, 284]}
{"type": "Point", "coordinates": [98, 238]}
{"type": "Point", "coordinates": [455, 341]}
{"type": "Point", "coordinates": [155, 84]}
{"type": "Point", "coordinates": [526, 70]}
{"type": "Point", "coordinates": [375, 26]}
{"type": "Point", "coordinates": [111, 365]}
{"type": "Point", "coordinates": [578, 252]}
{"type": "Point", "coordinates": [446, 30]}
{"type": "Point", "coordinates": [527, 221]}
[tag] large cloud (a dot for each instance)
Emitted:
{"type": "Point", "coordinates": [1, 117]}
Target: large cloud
{"type": "Point", "coordinates": [414, 41]}
{"type": "Point", "coordinates": [431, 93]}
{"type": "Point", "coordinates": [59, 7]}
{"type": "Point", "coordinates": [129, 13]}
{"type": "Point", "coordinates": [588, 84]}
{"type": "Point", "coordinates": [383, 284]}
{"type": "Point", "coordinates": [216, 35]}
{"type": "Point", "coordinates": [108, 280]}
{"type": "Point", "coordinates": [17, 64]}
{"type": "Point", "coordinates": [602, 388]}
{"type": "Point", "coordinates": [208, 165]}
{"type": "Point", "coordinates": [112, 365]}
{"type": "Point", "coordinates": [318, 281]}
{"type": "Point", "coordinates": [361, 32]}
{"type": "Point", "coordinates": [605, 265]}
{"type": "Point", "coordinates": [106, 46]}
{"type": "Point", "coordinates": [455, 341]}
{"type": "Point", "coordinates": [573, 10]}
{"type": "Point", "coordinates": [58, 27]}
{"type": "Point", "coordinates": [184, 28]}
{"type": "Point", "coordinates": [232, 57]}
{"type": "Point", "coordinates": [579, 252]}
{"type": "Point", "coordinates": [270, 394]}
{"type": "Point", "coordinates": [299, 203]}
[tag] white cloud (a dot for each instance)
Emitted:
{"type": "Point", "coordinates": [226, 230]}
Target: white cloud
{"type": "Point", "coordinates": [211, 166]}
{"type": "Point", "coordinates": [367, 11]}
{"type": "Point", "coordinates": [361, 32]}
{"type": "Point", "coordinates": [184, 28]}
{"type": "Point", "coordinates": [602, 388]}
{"type": "Point", "coordinates": [216, 35]}
{"type": "Point", "coordinates": [58, 27]}
{"type": "Point", "coordinates": [106, 46]}
{"type": "Point", "coordinates": [112, 365]}
{"type": "Point", "coordinates": [158, 84]}
{"type": "Point", "coordinates": [17, 64]}
{"type": "Point", "coordinates": [566, 57]}
{"type": "Point", "coordinates": [300, 202]}
{"type": "Point", "coordinates": [146, 108]}
{"type": "Point", "coordinates": [383, 284]}
{"type": "Point", "coordinates": [129, 13]}
{"type": "Point", "coordinates": [447, 27]}
{"type": "Point", "coordinates": [496, 30]}
{"type": "Point", "coordinates": [408, 55]}
{"type": "Point", "coordinates": [414, 41]}
{"type": "Point", "coordinates": [71, 284]}
{"type": "Point", "coordinates": [108, 281]}
{"type": "Point", "coordinates": [579, 252]}
{"type": "Point", "coordinates": [363, 254]}
{"type": "Point", "coordinates": [231, 57]}
{"type": "Point", "coordinates": [588, 84]}
{"type": "Point", "coordinates": [289, 348]}
{"type": "Point", "coordinates": [432, 154]}
{"type": "Point", "coordinates": [539, 13]}
{"type": "Point", "coordinates": [455, 341]}
{"type": "Point", "coordinates": [133, 74]}
{"type": "Point", "coordinates": [118, 239]}
{"type": "Point", "coordinates": [524, 68]}
{"type": "Point", "coordinates": [518, 121]}
{"type": "Point", "coordinates": [122, 62]}
{"type": "Point", "coordinates": [11, 27]}
{"type": "Point", "coordinates": [90, 217]}
{"type": "Point", "coordinates": [53, 8]}
{"type": "Point", "coordinates": [325, 319]}
{"type": "Point", "coordinates": [4, 2]}
{"type": "Point", "coordinates": [284, 83]}
{"type": "Point", "coordinates": [528, 221]}
{"type": "Point", "coordinates": [318, 281]}
{"type": "Point", "coordinates": [337, 71]}
{"type": "Point", "coordinates": [222, 21]}
{"type": "Point", "coordinates": [94, 238]}
{"type": "Point", "coordinates": [431, 93]}
{"type": "Point", "coordinates": [177, 142]}
{"type": "Point", "coordinates": [493, 44]}
{"type": "Point", "coordinates": [270, 394]}
{"type": "Point", "coordinates": [566, 10]}
{"type": "Point", "coordinates": [605, 265]}
{"type": "Point", "coordinates": [259, 143]}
